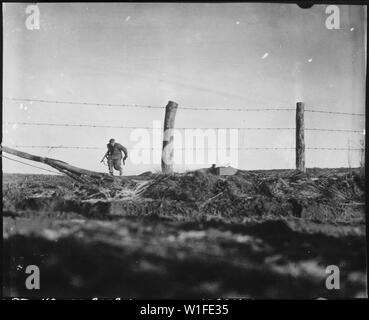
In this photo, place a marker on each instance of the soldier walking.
(114, 156)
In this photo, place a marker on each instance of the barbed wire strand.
(74, 125)
(235, 109)
(333, 130)
(144, 106)
(335, 112)
(227, 148)
(132, 127)
(181, 108)
(27, 164)
(178, 128)
(84, 103)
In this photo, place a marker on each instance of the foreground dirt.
(259, 234)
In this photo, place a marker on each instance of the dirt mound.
(329, 196)
(256, 234)
(194, 186)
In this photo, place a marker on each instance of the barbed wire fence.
(138, 106)
(182, 108)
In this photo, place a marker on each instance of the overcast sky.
(199, 55)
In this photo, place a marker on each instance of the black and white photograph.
(184, 151)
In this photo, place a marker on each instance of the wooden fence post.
(300, 137)
(168, 138)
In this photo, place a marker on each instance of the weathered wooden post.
(300, 137)
(168, 137)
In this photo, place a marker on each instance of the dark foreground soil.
(258, 234)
